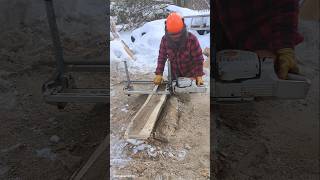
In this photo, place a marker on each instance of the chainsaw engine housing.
(237, 65)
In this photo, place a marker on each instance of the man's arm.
(196, 53)
(285, 36)
(162, 57)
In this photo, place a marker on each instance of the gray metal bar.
(195, 16)
(77, 99)
(80, 60)
(87, 90)
(127, 75)
(86, 62)
(143, 82)
(87, 68)
(55, 37)
(170, 88)
(146, 92)
(80, 95)
(199, 28)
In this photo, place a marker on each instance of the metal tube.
(196, 16)
(145, 92)
(127, 74)
(55, 38)
(169, 77)
(144, 82)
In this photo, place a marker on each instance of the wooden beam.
(128, 50)
(142, 124)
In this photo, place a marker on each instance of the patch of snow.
(46, 153)
(117, 52)
(181, 154)
(124, 110)
(118, 158)
(152, 152)
(135, 142)
(54, 139)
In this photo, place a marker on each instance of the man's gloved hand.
(199, 80)
(158, 80)
(286, 63)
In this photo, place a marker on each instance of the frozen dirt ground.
(181, 153)
(38, 141)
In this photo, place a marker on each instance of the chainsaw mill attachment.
(60, 89)
(242, 76)
(171, 86)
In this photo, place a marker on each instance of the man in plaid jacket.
(183, 50)
(261, 26)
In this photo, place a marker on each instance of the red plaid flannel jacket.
(187, 62)
(259, 24)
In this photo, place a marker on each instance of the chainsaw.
(243, 76)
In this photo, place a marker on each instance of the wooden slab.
(97, 165)
(142, 124)
(206, 52)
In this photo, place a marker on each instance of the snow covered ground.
(145, 42)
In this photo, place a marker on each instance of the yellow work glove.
(286, 63)
(158, 80)
(199, 81)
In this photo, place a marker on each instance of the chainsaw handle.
(296, 77)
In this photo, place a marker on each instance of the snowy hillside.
(145, 42)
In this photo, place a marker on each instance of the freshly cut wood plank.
(142, 124)
(126, 135)
(97, 166)
(148, 127)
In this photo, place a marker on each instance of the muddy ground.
(275, 139)
(179, 148)
(38, 141)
